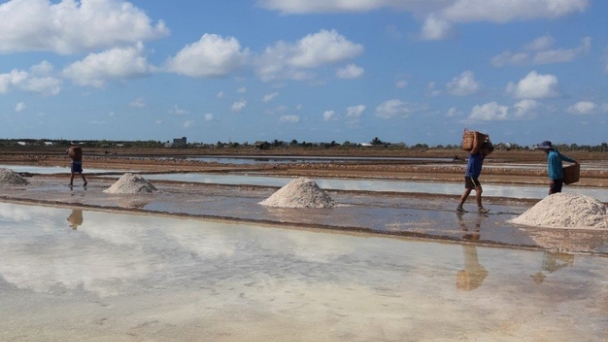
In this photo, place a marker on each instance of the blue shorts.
(76, 167)
(471, 182)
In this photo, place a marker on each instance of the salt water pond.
(74, 274)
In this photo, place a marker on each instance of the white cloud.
(442, 14)
(138, 103)
(290, 118)
(220, 95)
(489, 112)
(526, 108)
(189, 123)
(540, 43)
(401, 84)
(178, 111)
(211, 56)
(328, 115)
(241, 90)
(269, 97)
(582, 108)
(72, 26)
(291, 61)
(20, 107)
(209, 117)
(393, 108)
(115, 64)
(239, 106)
(542, 54)
(463, 85)
(563, 55)
(111, 114)
(509, 58)
(350, 71)
(355, 111)
(534, 86)
(33, 81)
(436, 29)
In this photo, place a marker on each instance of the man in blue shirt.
(555, 166)
(471, 176)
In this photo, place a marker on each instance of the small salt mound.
(9, 178)
(300, 193)
(131, 184)
(566, 210)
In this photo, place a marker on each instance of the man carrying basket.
(75, 153)
(481, 148)
(555, 166)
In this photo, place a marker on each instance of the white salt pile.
(300, 193)
(131, 184)
(10, 178)
(566, 210)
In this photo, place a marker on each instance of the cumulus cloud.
(38, 79)
(328, 115)
(115, 64)
(355, 111)
(239, 106)
(350, 71)
(291, 61)
(440, 15)
(209, 117)
(211, 56)
(69, 26)
(463, 85)
(582, 108)
(20, 107)
(289, 118)
(393, 108)
(541, 53)
(526, 108)
(241, 90)
(269, 97)
(534, 86)
(489, 112)
(189, 123)
(436, 29)
(220, 95)
(432, 91)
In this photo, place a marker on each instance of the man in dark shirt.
(75, 153)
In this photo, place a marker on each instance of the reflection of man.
(75, 218)
(473, 274)
(552, 261)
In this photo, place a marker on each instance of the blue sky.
(412, 71)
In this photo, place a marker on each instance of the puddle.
(378, 185)
(114, 275)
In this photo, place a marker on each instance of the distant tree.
(294, 142)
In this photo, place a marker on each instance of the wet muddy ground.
(421, 216)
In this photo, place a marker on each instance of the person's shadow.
(75, 219)
(473, 274)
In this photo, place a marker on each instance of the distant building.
(21, 143)
(180, 142)
(366, 144)
(49, 143)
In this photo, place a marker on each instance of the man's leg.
(71, 178)
(83, 179)
(463, 199)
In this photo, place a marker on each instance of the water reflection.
(473, 274)
(552, 261)
(75, 219)
(166, 275)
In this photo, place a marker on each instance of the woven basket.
(468, 139)
(572, 173)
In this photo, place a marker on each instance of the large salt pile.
(300, 193)
(11, 178)
(131, 184)
(566, 210)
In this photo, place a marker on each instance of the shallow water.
(45, 170)
(138, 277)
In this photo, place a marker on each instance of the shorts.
(471, 182)
(555, 186)
(76, 167)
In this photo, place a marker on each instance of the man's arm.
(568, 159)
